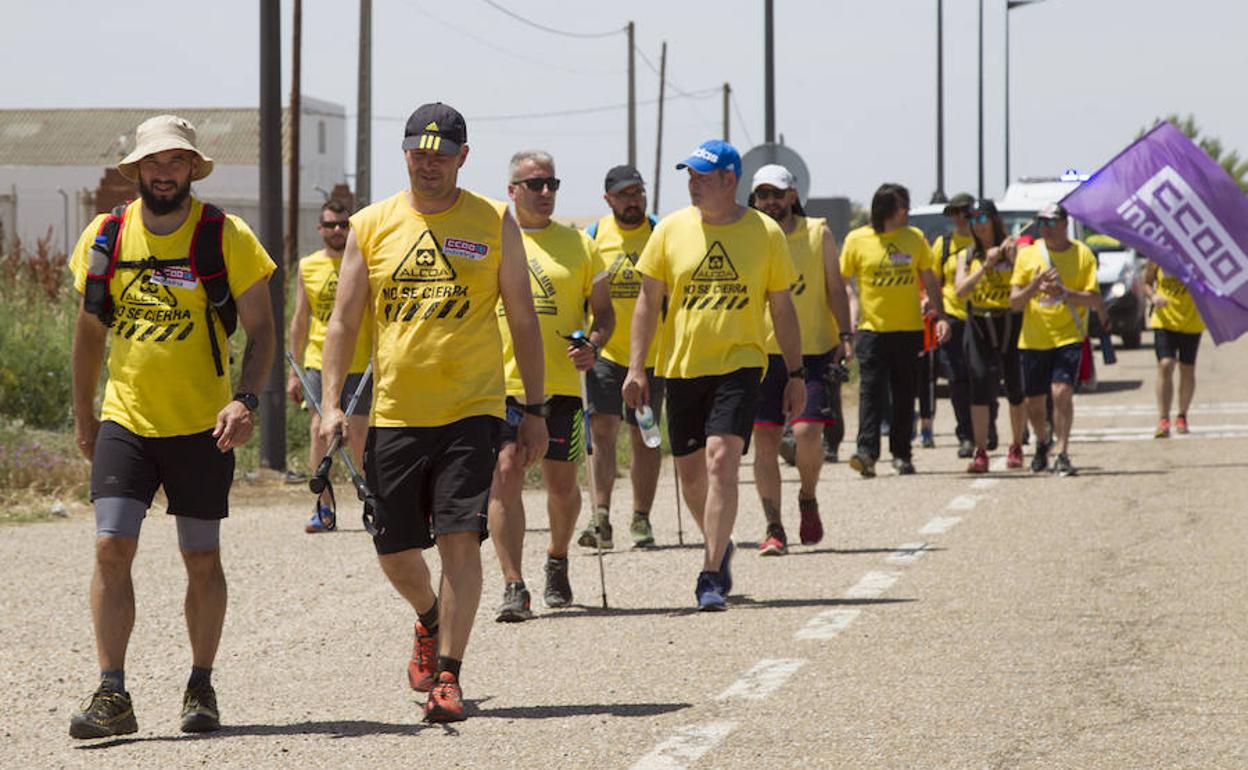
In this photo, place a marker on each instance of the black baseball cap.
(438, 127)
(959, 203)
(622, 176)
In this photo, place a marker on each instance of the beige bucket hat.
(163, 132)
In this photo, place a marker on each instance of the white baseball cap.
(775, 175)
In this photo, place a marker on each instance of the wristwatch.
(798, 374)
(846, 336)
(248, 400)
(537, 410)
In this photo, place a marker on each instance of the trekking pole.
(579, 340)
(374, 519)
(680, 530)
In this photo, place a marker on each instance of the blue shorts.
(771, 394)
(1042, 368)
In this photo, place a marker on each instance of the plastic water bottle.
(649, 426)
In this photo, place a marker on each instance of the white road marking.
(827, 624)
(1136, 433)
(686, 746)
(908, 553)
(872, 585)
(767, 676)
(984, 483)
(1150, 410)
(997, 464)
(942, 524)
(964, 502)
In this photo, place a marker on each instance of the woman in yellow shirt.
(1176, 325)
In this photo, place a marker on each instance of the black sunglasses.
(537, 183)
(1047, 221)
(336, 225)
(769, 193)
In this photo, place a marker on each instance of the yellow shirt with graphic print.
(620, 250)
(810, 291)
(1047, 321)
(1179, 314)
(954, 307)
(992, 290)
(319, 272)
(887, 266)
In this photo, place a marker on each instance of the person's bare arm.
(526, 337)
(87, 361)
(341, 335)
(636, 390)
(834, 287)
(789, 338)
(298, 334)
(602, 325)
(932, 285)
(255, 314)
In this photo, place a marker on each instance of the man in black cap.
(621, 235)
(434, 260)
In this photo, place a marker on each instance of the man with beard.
(168, 418)
(620, 236)
(314, 304)
(822, 312)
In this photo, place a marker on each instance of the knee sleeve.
(119, 516)
(198, 534)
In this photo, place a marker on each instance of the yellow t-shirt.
(563, 265)
(887, 266)
(620, 250)
(718, 278)
(1180, 313)
(1047, 321)
(162, 380)
(319, 272)
(810, 291)
(433, 284)
(992, 290)
(955, 307)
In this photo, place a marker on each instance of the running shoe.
(199, 710)
(1014, 458)
(775, 544)
(558, 591)
(598, 533)
(641, 531)
(966, 448)
(516, 604)
(1180, 425)
(323, 520)
(903, 466)
(1040, 461)
(709, 593)
(725, 568)
(105, 714)
(423, 665)
(1062, 466)
(926, 439)
(865, 466)
(1163, 429)
(811, 529)
(980, 463)
(446, 700)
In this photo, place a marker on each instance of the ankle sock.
(642, 514)
(115, 677)
(429, 618)
(449, 664)
(200, 677)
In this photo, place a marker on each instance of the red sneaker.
(423, 666)
(775, 544)
(811, 529)
(1163, 428)
(1014, 458)
(1180, 425)
(446, 700)
(980, 463)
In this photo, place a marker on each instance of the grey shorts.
(603, 384)
(348, 389)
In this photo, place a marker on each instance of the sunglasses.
(769, 193)
(537, 183)
(979, 219)
(336, 225)
(1047, 221)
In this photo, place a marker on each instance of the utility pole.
(632, 99)
(364, 109)
(658, 145)
(981, 99)
(939, 195)
(296, 121)
(273, 400)
(769, 73)
(727, 98)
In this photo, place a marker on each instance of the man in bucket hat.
(168, 417)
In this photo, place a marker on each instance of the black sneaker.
(105, 714)
(966, 448)
(199, 710)
(1062, 466)
(863, 464)
(1040, 460)
(558, 590)
(903, 466)
(516, 604)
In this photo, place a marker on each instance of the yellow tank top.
(992, 291)
(433, 284)
(810, 291)
(954, 306)
(319, 273)
(1180, 313)
(620, 250)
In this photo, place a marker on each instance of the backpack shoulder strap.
(592, 230)
(96, 298)
(208, 264)
(654, 221)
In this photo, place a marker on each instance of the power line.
(700, 94)
(679, 91)
(551, 30)
(736, 106)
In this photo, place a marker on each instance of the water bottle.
(649, 426)
(98, 258)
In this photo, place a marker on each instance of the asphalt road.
(1012, 621)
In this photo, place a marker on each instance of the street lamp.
(939, 195)
(1010, 5)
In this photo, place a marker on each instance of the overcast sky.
(856, 85)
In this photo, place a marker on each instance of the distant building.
(58, 167)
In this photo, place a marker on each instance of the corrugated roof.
(91, 137)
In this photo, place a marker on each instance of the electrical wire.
(700, 94)
(679, 91)
(736, 106)
(551, 30)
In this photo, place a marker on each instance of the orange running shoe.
(980, 463)
(423, 666)
(1163, 428)
(775, 544)
(1180, 425)
(446, 700)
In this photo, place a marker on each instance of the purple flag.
(1165, 197)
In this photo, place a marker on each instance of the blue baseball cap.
(713, 154)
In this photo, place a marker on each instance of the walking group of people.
(500, 340)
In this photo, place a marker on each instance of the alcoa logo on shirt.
(706, 154)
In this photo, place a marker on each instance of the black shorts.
(603, 385)
(1180, 345)
(195, 474)
(1042, 368)
(431, 481)
(348, 389)
(714, 405)
(565, 427)
(771, 392)
(990, 350)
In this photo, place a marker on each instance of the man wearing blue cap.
(722, 266)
